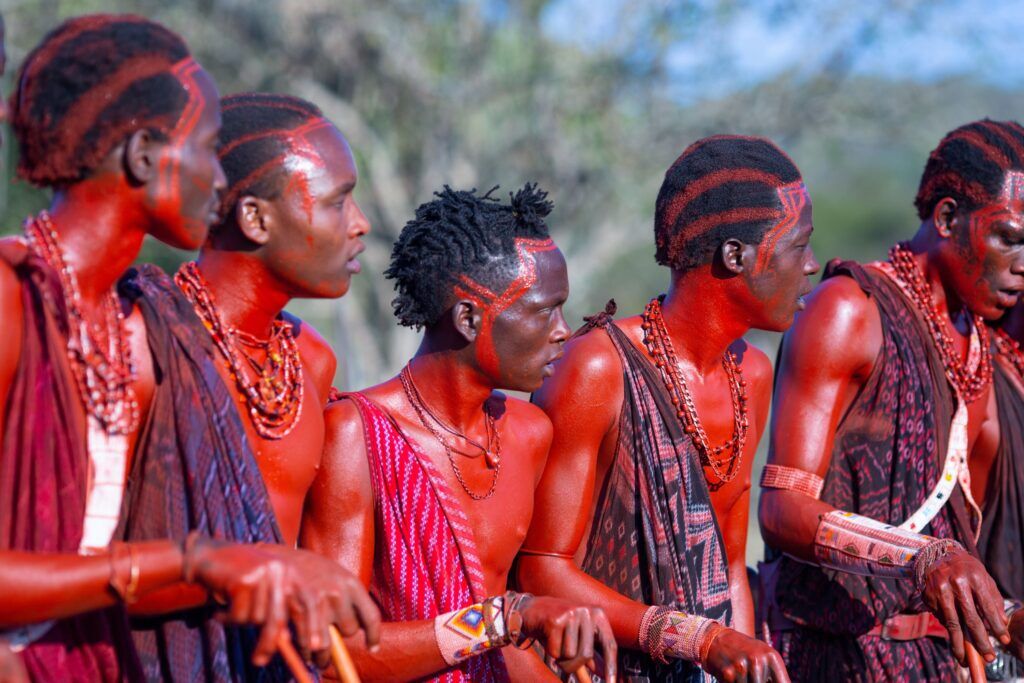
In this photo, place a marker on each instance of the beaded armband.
(666, 633)
(792, 479)
(861, 545)
(470, 631)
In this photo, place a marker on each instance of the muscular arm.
(339, 523)
(583, 399)
(826, 357)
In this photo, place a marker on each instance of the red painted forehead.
(793, 197)
(1013, 187)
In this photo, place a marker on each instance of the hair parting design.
(720, 187)
(970, 165)
(258, 132)
(91, 82)
(468, 241)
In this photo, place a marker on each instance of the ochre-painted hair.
(969, 165)
(255, 138)
(721, 187)
(90, 83)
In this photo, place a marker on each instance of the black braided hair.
(461, 233)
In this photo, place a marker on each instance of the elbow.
(769, 517)
(539, 575)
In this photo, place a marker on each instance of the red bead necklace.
(1009, 349)
(659, 344)
(275, 397)
(969, 385)
(103, 377)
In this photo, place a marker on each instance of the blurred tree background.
(594, 100)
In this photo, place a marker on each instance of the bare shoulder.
(588, 361)
(525, 418)
(840, 327)
(317, 355)
(11, 310)
(343, 425)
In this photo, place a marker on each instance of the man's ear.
(735, 256)
(141, 156)
(466, 318)
(946, 217)
(255, 217)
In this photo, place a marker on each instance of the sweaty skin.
(168, 190)
(307, 240)
(584, 401)
(455, 383)
(828, 356)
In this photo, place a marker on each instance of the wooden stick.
(583, 675)
(975, 664)
(292, 659)
(343, 663)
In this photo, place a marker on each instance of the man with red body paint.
(128, 146)
(290, 228)
(426, 486)
(884, 387)
(644, 503)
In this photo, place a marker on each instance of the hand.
(956, 589)
(569, 633)
(11, 668)
(268, 585)
(736, 658)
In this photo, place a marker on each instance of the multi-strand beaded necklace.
(103, 372)
(275, 397)
(659, 344)
(969, 385)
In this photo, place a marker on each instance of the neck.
(454, 390)
(701, 322)
(100, 232)
(924, 246)
(247, 296)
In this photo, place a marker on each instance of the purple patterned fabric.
(655, 537)
(887, 455)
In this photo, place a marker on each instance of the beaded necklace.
(968, 385)
(493, 456)
(275, 397)
(103, 378)
(1009, 349)
(659, 344)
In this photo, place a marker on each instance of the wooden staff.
(343, 663)
(582, 675)
(975, 664)
(292, 659)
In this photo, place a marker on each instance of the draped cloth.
(1001, 542)
(887, 455)
(426, 563)
(654, 536)
(43, 471)
(194, 469)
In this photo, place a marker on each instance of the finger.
(319, 618)
(951, 621)
(609, 648)
(571, 639)
(240, 607)
(586, 642)
(778, 668)
(260, 603)
(553, 633)
(277, 614)
(990, 603)
(758, 669)
(369, 616)
(974, 626)
(345, 616)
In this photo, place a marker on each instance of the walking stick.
(343, 663)
(292, 659)
(975, 664)
(582, 675)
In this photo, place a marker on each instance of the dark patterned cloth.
(887, 455)
(1001, 542)
(655, 537)
(43, 467)
(194, 470)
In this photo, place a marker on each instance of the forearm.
(526, 665)
(789, 521)
(42, 586)
(408, 651)
(742, 600)
(561, 578)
